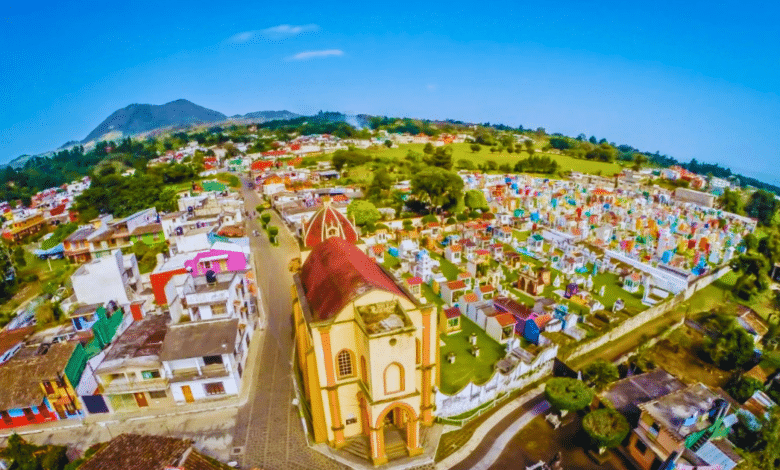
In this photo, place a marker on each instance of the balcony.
(206, 372)
(132, 386)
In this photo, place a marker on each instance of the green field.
(462, 151)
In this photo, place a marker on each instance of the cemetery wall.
(635, 323)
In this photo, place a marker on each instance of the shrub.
(607, 427)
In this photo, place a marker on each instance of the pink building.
(218, 261)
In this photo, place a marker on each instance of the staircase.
(395, 445)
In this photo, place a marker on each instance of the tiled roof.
(335, 273)
(455, 248)
(456, 285)
(136, 452)
(452, 312)
(542, 320)
(505, 319)
(327, 217)
(486, 288)
(470, 298)
(412, 281)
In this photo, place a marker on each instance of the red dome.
(327, 223)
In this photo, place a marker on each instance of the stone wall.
(473, 396)
(636, 322)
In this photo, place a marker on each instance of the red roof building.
(328, 223)
(336, 273)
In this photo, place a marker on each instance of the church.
(367, 352)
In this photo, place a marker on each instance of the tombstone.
(451, 357)
(557, 281)
(602, 290)
(473, 339)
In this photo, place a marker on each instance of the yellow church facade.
(367, 352)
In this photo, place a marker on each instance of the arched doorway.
(395, 434)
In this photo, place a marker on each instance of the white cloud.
(274, 32)
(306, 55)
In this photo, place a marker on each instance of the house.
(752, 323)
(632, 282)
(11, 341)
(627, 394)
(204, 359)
(212, 296)
(85, 316)
(449, 320)
(687, 424)
(453, 252)
(377, 252)
(485, 292)
(76, 246)
(367, 351)
(38, 385)
(117, 275)
(414, 285)
(24, 226)
(142, 452)
(524, 318)
(535, 243)
(501, 327)
(131, 375)
(452, 290)
(217, 261)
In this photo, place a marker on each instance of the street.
(268, 432)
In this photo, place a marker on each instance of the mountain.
(139, 118)
(265, 116)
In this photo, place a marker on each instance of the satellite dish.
(179, 231)
(211, 277)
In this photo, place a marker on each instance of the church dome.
(326, 223)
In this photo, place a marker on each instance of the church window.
(344, 361)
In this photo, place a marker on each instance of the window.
(6, 417)
(418, 351)
(150, 374)
(453, 322)
(344, 361)
(28, 413)
(394, 378)
(207, 264)
(48, 387)
(216, 388)
(640, 446)
(655, 429)
(211, 360)
(157, 394)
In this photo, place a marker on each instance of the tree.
(363, 212)
(19, 260)
(742, 388)
(732, 348)
(438, 187)
(559, 143)
(567, 394)
(273, 231)
(730, 201)
(607, 427)
(26, 456)
(754, 278)
(388, 143)
(428, 149)
(639, 160)
(465, 164)
(475, 148)
(600, 373)
(265, 218)
(475, 199)
(762, 205)
(380, 185)
(441, 157)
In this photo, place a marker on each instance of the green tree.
(475, 199)
(475, 147)
(566, 394)
(733, 348)
(26, 456)
(639, 160)
(441, 157)
(741, 388)
(380, 185)
(273, 232)
(428, 149)
(388, 143)
(265, 218)
(19, 260)
(606, 427)
(437, 187)
(600, 373)
(464, 164)
(363, 212)
(754, 275)
(730, 201)
(762, 205)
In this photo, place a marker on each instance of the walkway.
(491, 437)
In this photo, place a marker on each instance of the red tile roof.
(505, 319)
(542, 320)
(452, 312)
(378, 249)
(470, 297)
(482, 252)
(455, 285)
(413, 281)
(316, 229)
(337, 272)
(486, 288)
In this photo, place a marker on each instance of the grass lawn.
(463, 152)
(521, 236)
(614, 290)
(468, 368)
(431, 296)
(391, 262)
(449, 270)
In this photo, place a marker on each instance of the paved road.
(268, 428)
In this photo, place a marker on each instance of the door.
(187, 391)
(140, 399)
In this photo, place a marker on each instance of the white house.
(101, 280)
(204, 359)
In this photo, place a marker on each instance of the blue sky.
(699, 80)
